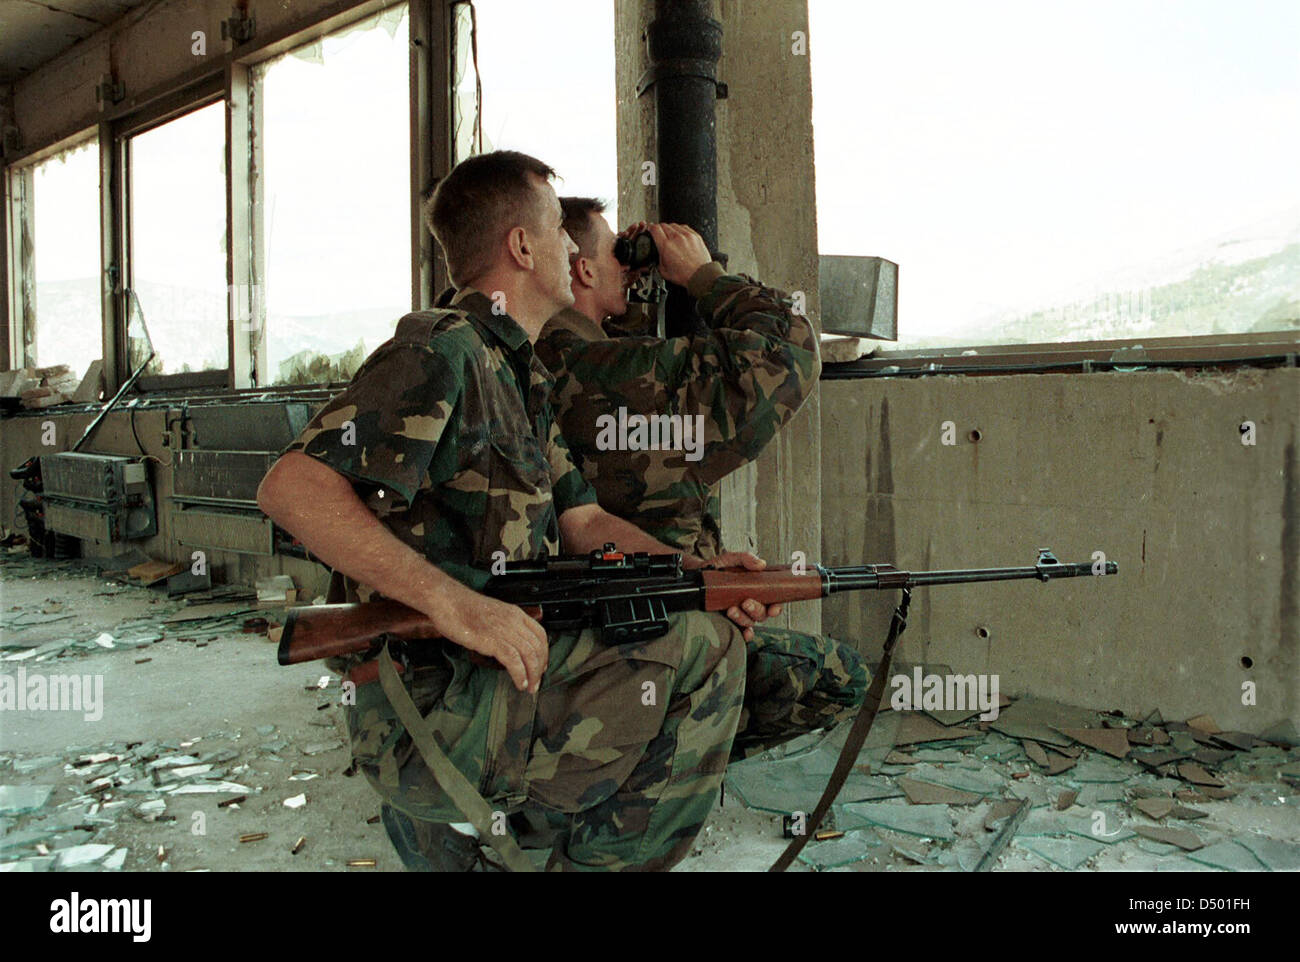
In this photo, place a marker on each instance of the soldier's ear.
(581, 271)
(518, 246)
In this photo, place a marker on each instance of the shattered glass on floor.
(1104, 792)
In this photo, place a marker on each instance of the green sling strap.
(856, 739)
(458, 788)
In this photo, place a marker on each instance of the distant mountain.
(301, 349)
(1243, 280)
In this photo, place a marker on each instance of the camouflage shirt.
(747, 376)
(445, 444)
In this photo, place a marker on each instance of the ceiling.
(33, 33)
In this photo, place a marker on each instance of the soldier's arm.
(378, 438)
(746, 377)
(754, 370)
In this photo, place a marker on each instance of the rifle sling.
(450, 779)
(857, 738)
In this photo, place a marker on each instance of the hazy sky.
(1005, 152)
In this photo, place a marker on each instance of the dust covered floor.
(191, 749)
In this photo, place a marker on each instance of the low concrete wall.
(22, 436)
(1148, 467)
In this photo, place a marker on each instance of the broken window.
(544, 84)
(57, 259)
(177, 231)
(333, 122)
(1063, 172)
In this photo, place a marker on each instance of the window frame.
(166, 109)
(17, 271)
(226, 77)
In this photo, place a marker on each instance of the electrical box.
(98, 497)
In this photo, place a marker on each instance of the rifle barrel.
(859, 577)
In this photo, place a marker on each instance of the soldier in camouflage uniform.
(748, 374)
(443, 455)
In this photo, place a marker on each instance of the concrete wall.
(1147, 467)
(767, 224)
(22, 436)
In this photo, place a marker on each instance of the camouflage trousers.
(624, 746)
(796, 683)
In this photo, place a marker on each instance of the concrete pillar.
(767, 224)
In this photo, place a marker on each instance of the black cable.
(143, 452)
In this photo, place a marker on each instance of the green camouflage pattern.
(436, 438)
(625, 745)
(439, 442)
(796, 683)
(748, 376)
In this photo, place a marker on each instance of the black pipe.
(685, 45)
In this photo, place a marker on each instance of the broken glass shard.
(853, 846)
(1229, 856)
(1068, 853)
(19, 799)
(926, 821)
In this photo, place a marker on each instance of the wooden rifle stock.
(626, 597)
(330, 631)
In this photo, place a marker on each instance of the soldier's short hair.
(577, 221)
(474, 206)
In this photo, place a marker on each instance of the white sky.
(548, 89)
(1004, 152)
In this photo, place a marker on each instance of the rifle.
(624, 597)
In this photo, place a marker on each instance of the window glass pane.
(1084, 169)
(178, 239)
(336, 196)
(547, 74)
(65, 219)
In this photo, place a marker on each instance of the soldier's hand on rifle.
(500, 631)
(750, 612)
(682, 252)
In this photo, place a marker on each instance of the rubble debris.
(1112, 741)
(1066, 853)
(115, 861)
(1184, 838)
(1204, 723)
(1283, 733)
(1197, 775)
(19, 799)
(151, 572)
(1154, 808)
(79, 856)
(916, 728)
(924, 793)
(185, 582)
(847, 848)
(926, 821)
(278, 590)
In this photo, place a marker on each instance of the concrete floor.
(216, 695)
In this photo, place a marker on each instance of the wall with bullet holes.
(1148, 467)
